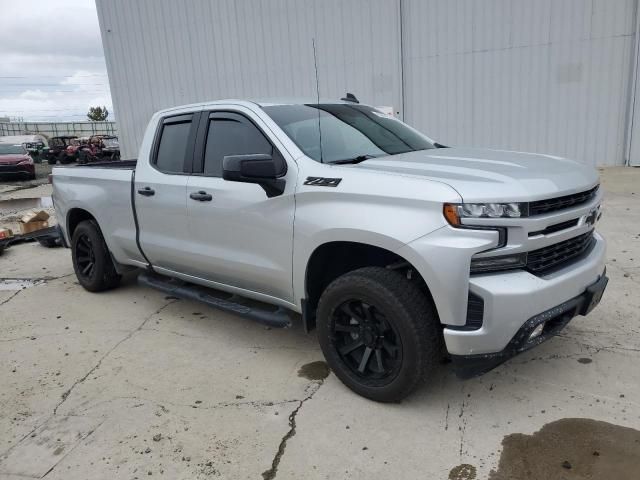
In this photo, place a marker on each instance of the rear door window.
(173, 144)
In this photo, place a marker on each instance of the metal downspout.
(632, 89)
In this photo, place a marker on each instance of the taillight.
(50, 178)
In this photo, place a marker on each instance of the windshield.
(12, 149)
(347, 131)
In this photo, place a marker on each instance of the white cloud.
(33, 95)
(51, 61)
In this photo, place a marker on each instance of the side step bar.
(275, 317)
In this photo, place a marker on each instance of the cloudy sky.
(51, 60)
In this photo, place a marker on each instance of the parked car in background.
(63, 149)
(16, 161)
(34, 143)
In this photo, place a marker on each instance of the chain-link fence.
(56, 129)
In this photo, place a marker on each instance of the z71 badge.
(322, 181)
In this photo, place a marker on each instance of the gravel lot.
(131, 384)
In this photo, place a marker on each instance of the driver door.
(238, 236)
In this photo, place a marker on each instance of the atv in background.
(62, 149)
(99, 148)
(110, 148)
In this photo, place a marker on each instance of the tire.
(91, 259)
(389, 316)
(52, 160)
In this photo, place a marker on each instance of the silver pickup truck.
(397, 249)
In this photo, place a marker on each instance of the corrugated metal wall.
(545, 76)
(549, 76)
(161, 53)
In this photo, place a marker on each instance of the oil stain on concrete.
(463, 472)
(571, 449)
(314, 371)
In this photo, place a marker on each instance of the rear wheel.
(91, 259)
(378, 332)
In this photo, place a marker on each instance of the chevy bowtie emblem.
(592, 216)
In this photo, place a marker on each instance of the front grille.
(552, 204)
(555, 228)
(547, 259)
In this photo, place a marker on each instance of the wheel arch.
(74, 217)
(332, 259)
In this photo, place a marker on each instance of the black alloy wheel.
(379, 332)
(85, 257)
(92, 261)
(365, 341)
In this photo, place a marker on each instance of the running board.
(276, 317)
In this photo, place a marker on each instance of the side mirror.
(261, 169)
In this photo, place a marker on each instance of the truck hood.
(491, 175)
(12, 158)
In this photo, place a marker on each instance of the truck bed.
(104, 190)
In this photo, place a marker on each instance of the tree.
(98, 114)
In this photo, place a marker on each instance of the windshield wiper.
(358, 159)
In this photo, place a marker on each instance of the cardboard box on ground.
(34, 221)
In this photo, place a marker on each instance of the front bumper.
(15, 169)
(553, 320)
(513, 298)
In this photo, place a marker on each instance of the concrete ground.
(131, 384)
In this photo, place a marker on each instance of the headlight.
(453, 212)
(503, 262)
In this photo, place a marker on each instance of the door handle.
(147, 191)
(201, 196)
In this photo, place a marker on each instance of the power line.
(57, 91)
(35, 110)
(57, 76)
(50, 84)
(66, 62)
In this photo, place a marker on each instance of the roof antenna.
(350, 98)
(315, 66)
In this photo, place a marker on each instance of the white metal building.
(553, 76)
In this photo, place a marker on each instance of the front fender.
(366, 207)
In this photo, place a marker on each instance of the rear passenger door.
(240, 237)
(160, 192)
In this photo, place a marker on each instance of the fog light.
(537, 331)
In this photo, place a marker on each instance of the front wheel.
(379, 333)
(91, 259)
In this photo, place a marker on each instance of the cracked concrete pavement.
(131, 383)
